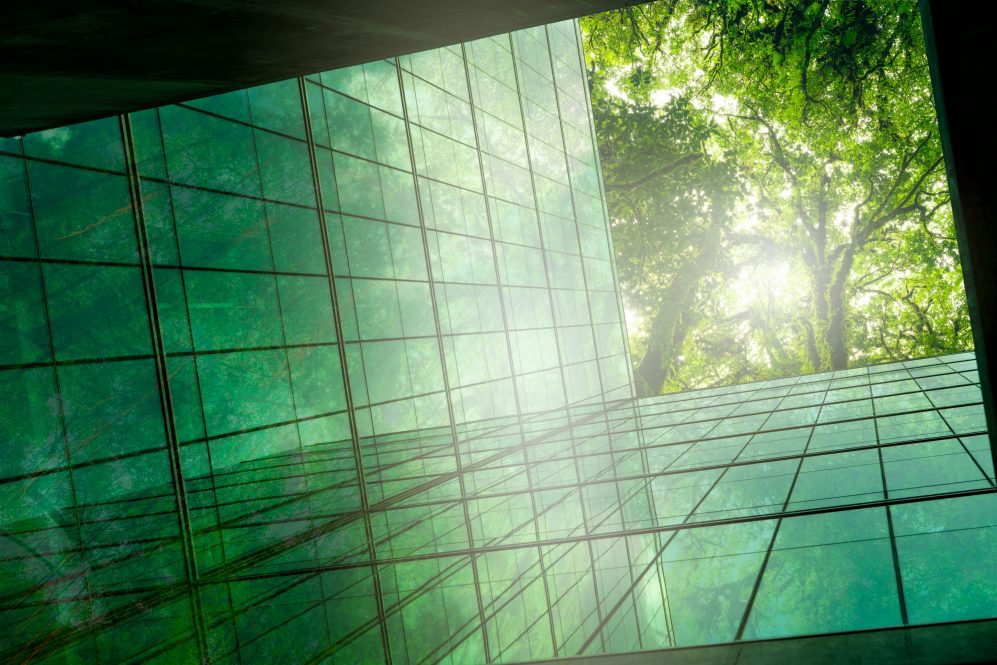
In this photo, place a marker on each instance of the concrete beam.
(63, 62)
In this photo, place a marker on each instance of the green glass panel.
(965, 419)
(97, 311)
(827, 573)
(350, 125)
(306, 306)
(348, 80)
(81, 214)
(708, 577)
(157, 210)
(386, 369)
(148, 139)
(390, 139)
(206, 151)
(234, 105)
(382, 86)
(946, 550)
(438, 620)
(359, 186)
(295, 237)
(316, 376)
(218, 231)
(843, 435)
(407, 255)
(368, 249)
(242, 390)
(186, 397)
(232, 310)
(377, 311)
(511, 584)
(829, 480)
(30, 426)
(277, 106)
(171, 306)
(752, 489)
(776, 443)
(111, 409)
(283, 161)
(23, 325)
(96, 144)
(16, 232)
(911, 426)
(327, 179)
(930, 467)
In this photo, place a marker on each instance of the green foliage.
(775, 180)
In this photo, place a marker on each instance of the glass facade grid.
(334, 370)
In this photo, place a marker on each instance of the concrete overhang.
(64, 62)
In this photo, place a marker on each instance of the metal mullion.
(574, 209)
(305, 497)
(197, 380)
(163, 381)
(958, 437)
(273, 550)
(69, 363)
(212, 190)
(347, 391)
(889, 518)
(78, 465)
(521, 575)
(235, 121)
(280, 312)
(247, 271)
(63, 427)
(657, 556)
(574, 540)
(605, 208)
(228, 572)
(553, 317)
(38, 259)
(443, 361)
(508, 343)
(248, 349)
(775, 532)
(58, 162)
(537, 545)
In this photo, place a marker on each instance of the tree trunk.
(821, 320)
(810, 341)
(836, 338)
(652, 371)
(674, 318)
(665, 339)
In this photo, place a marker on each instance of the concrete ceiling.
(63, 62)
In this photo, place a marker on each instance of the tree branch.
(657, 173)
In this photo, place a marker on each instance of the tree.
(670, 205)
(821, 117)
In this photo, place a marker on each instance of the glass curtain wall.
(334, 370)
(236, 330)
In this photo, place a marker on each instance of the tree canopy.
(775, 181)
